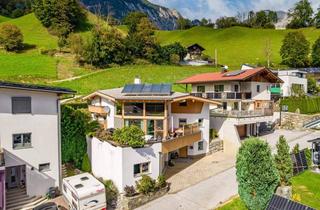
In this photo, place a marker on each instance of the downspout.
(59, 143)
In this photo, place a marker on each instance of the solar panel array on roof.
(234, 73)
(280, 203)
(147, 89)
(299, 161)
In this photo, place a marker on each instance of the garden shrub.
(283, 161)
(161, 182)
(256, 173)
(129, 191)
(111, 191)
(146, 185)
(308, 154)
(296, 149)
(11, 37)
(86, 166)
(131, 136)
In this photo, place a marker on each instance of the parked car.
(47, 206)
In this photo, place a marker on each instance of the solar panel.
(147, 89)
(234, 73)
(299, 161)
(280, 203)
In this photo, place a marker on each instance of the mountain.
(162, 17)
(283, 20)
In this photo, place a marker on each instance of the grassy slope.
(3, 19)
(30, 63)
(117, 77)
(235, 45)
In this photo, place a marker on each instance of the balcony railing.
(224, 95)
(2, 163)
(242, 114)
(97, 109)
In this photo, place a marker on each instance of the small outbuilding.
(195, 51)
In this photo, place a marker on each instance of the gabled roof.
(194, 46)
(32, 87)
(239, 75)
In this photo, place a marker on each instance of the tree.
(261, 19)
(226, 22)
(315, 55)
(133, 19)
(301, 15)
(204, 22)
(76, 45)
(295, 50)
(296, 149)
(312, 86)
(131, 136)
(256, 173)
(75, 124)
(61, 16)
(317, 19)
(184, 23)
(11, 37)
(283, 161)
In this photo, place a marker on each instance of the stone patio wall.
(292, 121)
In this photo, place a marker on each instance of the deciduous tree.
(316, 53)
(11, 37)
(301, 15)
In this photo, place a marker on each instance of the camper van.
(84, 192)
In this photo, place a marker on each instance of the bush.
(296, 149)
(86, 166)
(111, 191)
(256, 173)
(214, 134)
(308, 154)
(11, 37)
(146, 185)
(283, 161)
(161, 182)
(129, 191)
(131, 136)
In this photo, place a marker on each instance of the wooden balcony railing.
(242, 114)
(97, 109)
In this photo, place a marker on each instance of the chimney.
(137, 80)
(224, 69)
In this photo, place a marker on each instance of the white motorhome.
(84, 192)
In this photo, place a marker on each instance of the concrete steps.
(17, 199)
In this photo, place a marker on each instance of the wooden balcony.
(189, 134)
(98, 109)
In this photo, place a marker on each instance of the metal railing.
(242, 114)
(224, 95)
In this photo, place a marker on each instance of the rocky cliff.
(162, 17)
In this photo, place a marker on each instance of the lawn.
(119, 76)
(306, 185)
(236, 45)
(3, 19)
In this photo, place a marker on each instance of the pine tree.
(283, 161)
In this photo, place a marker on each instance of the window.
(236, 105)
(218, 88)
(182, 122)
(155, 109)
(138, 123)
(183, 103)
(201, 89)
(141, 168)
(224, 105)
(119, 108)
(258, 88)
(44, 167)
(200, 145)
(155, 128)
(133, 109)
(21, 105)
(236, 88)
(21, 141)
(200, 122)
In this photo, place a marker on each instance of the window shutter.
(21, 105)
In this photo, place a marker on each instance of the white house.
(246, 102)
(29, 136)
(291, 79)
(174, 123)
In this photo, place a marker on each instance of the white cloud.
(217, 8)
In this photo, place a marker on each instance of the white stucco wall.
(43, 124)
(264, 93)
(289, 81)
(116, 163)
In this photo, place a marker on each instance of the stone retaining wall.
(215, 145)
(295, 120)
(128, 203)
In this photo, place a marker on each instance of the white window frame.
(202, 145)
(44, 169)
(141, 169)
(22, 144)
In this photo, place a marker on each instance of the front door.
(183, 152)
(12, 174)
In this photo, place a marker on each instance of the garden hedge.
(306, 105)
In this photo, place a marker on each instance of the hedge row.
(306, 105)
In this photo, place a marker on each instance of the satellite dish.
(107, 109)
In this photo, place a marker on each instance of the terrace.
(242, 114)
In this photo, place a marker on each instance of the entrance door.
(183, 152)
(12, 177)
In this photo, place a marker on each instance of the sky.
(213, 9)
